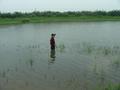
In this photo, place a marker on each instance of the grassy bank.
(57, 19)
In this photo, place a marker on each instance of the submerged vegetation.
(89, 48)
(113, 87)
(74, 81)
(50, 16)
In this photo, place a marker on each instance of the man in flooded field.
(52, 45)
(52, 41)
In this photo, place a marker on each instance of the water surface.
(87, 56)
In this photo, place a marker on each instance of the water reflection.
(52, 56)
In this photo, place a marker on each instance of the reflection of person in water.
(52, 56)
(52, 53)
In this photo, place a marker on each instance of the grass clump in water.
(31, 62)
(116, 62)
(112, 87)
(106, 51)
(61, 48)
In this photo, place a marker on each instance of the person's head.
(53, 35)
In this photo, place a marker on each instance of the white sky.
(58, 5)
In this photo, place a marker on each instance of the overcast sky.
(58, 5)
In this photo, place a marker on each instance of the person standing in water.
(52, 45)
(52, 41)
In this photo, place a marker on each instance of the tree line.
(60, 14)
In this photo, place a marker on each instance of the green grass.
(112, 87)
(57, 19)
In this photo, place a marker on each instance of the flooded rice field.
(87, 56)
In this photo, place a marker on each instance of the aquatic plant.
(106, 50)
(116, 62)
(112, 87)
(4, 74)
(31, 62)
(95, 69)
(61, 48)
(90, 48)
(87, 48)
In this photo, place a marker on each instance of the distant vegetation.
(50, 16)
(62, 14)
